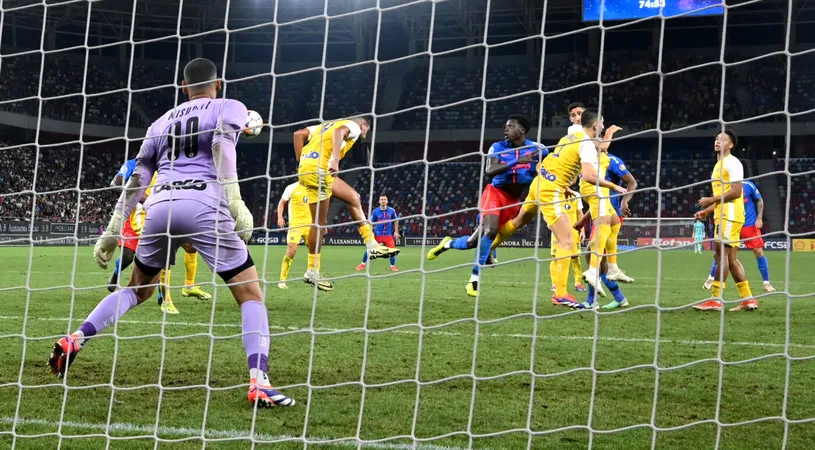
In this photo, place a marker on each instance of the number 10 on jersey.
(186, 138)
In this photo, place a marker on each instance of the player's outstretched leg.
(106, 313)
(346, 193)
(459, 243)
(190, 273)
(122, 263)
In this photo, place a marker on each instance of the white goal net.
(398, 355)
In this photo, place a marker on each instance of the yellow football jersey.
(563, 164)
(601, 167)
(317, 152)
(299, 212)
(138, 214)
(727, 171)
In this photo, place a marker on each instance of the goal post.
(403, 358)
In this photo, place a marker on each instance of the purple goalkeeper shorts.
(210, 231)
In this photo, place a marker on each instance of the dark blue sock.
(116, 267)
(590, 299)
(713, 269)
(613, 287)
(483, 253)
(460, 243)
(495, 254)
(365, 258)
(763, 268)
(393, 260)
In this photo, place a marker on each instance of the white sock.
(474, 277)
(613, 267)
(447, 244)
(372, 245)
(259, 375)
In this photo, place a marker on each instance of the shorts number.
(187, 140)
(326, 126)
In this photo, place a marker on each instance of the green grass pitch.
(537, 367)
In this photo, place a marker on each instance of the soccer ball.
(254, 124)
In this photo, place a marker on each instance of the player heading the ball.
(192, 147)
(319, 149)
(574, 154)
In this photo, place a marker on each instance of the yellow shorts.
(599, 207)
(318, 185)
(728, 232)
(296, 233)
(548, 197)
(575, 238)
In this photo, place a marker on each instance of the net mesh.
(399, 361)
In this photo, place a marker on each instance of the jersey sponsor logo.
(198, 185)
(312, 155)
(549, 176)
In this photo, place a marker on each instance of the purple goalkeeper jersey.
(179, 147)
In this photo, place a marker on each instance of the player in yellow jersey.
(604, 216)
(574, 154)
(574, 209)
(299, 224)
(319, 149)
(727, 206)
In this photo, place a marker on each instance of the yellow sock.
(611, 244)
(365, 232)
(577, 269)
(603, 232)
(744, 289)
(504, 233)
(553, 270)
(313, 261)
(284, 268)
(562, 275)
(191, 266)
(164, 280)
(718, 287)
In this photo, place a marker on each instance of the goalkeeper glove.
(237, 208)
(106, 244)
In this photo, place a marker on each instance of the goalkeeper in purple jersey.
(192, 147)
(511, 163)
(751, 233)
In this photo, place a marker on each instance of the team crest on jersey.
(568, 207)
(305, 199)
(622, 166)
